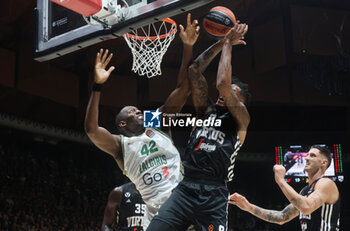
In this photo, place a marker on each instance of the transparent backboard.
(61, 31)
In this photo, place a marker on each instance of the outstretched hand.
(236, 34)
(101, 74)
(189, 35)
(240, 201)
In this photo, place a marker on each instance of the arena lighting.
(46, 130)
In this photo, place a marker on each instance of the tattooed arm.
(199, 86)
(230, 93)
(204, 59)
(273, 216)
(325, 192)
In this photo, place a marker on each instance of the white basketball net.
(148, 46)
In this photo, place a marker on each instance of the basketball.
(218, 21)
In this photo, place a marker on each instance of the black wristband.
(96, 86)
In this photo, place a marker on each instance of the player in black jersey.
(318, 204)
(201, 198)
(125, 209)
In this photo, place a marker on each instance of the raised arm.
(325, 192)
(199, 86)
(100, 136)
(109, 217)
(178, 97)
(230, 93)
(273, 216)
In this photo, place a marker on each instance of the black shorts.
(203, 205)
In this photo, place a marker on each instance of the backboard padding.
(61, 31)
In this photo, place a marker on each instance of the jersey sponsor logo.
(205, 147)
(151, 118)
(211, 134)
(149, 178)
(153, 162)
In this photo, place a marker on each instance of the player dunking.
(201, 198)
(124, 210)
(318, 204)
(147, 156)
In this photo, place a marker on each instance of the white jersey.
(152, 163)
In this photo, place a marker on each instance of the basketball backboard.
(61, 31)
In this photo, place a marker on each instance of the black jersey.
(211, 151)
(325, 218)
(131, 209)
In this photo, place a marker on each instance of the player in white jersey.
(148, 157)
(152, 162)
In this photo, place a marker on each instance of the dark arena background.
(297, 65)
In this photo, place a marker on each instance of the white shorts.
(152, 208)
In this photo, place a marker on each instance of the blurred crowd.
(47, 189)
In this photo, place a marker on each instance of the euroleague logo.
(150, 133)
(211, 227)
